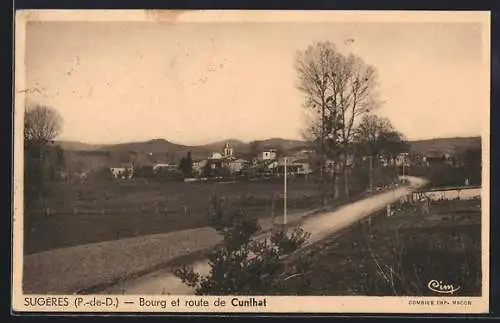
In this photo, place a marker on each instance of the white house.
(267, 154)
(304, 167)
(236, 165)
(198, 165)
(119, 172)
(402, 159)
(215, 155)
(273, 164)
(164, 166)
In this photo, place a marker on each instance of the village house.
(198, 166)
(289, 160)
(417, 159)
(126, 172)
(168, 167)
(268, 154)
(236, 165)
(332, 165)
(215, 156)
(304, 167)
(398, 160)
(402, 159)
(225, 161)
(270, 164)
(437, 158)
(294, 166)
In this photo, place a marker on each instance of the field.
(400, 255)
(79, 213)
(106, 262)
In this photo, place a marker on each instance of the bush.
(241, 266)
(419, 256)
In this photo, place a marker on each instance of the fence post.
(426, 205)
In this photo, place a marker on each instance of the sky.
(194, 83)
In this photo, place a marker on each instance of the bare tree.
(340, 89)
(42, 124)
(371, 132)
(375, 136)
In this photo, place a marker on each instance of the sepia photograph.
(252, 155)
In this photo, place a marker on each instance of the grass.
(108, 263)
(399, 255)
(86, 267)
(89, 267)
(81, 213)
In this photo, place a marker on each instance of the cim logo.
(442, 288)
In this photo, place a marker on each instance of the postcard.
(224, 161)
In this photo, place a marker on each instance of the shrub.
(241, 266)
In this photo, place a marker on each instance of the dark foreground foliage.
(242, 266)
(402, 254)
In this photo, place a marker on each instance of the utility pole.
(371, 166)
(404, 162)
(285, 192)
(322, 141)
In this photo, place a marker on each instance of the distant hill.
(76, 145)
(282, 144)
(160, 150)
(445, 145)
(237, 145)
(151, 146)
(164, 146)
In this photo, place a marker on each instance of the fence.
(140, 210)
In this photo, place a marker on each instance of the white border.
(322, 304)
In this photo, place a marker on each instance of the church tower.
(228, 150)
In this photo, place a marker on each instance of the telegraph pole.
(285, 192)
(371, 179)
(403, 174)
(404, 162)
(324, 192)
(323, 155)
